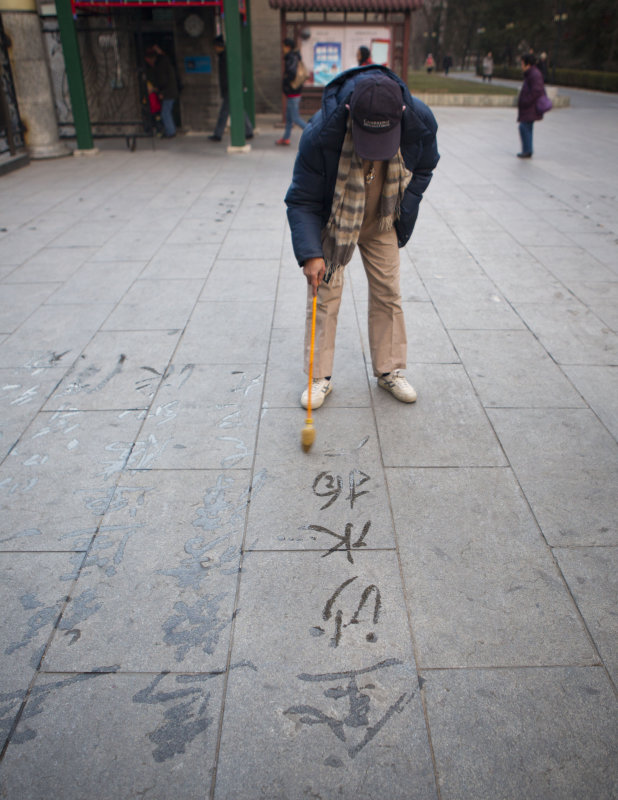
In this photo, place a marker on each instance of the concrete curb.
(481, 100)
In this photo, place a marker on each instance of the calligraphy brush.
(307, 436)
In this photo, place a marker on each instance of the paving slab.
(437, 260)
(499, 734)
(159, 732)
(98, 282)
(232, 280)
(133, 243)
(594, 293)
(32, 597)
(253, 244)
(538, 232)
(181, 261)
(592, 576)
(571, 333)
(445, 427)
(517, 274)
(335, 614)
(20, 300)
(608, 314)
(336, 691)
(260, 214)
(20, 245)
(571, 263)
(208, 339)
(215, 203)
(23, 393)
(601, 245)
(53, 335)
(205, 417)
(197, 230)
(332, 497)
(471, 303)
(291, 305)
(355, 733)
(511, 369)
(88, 233)
(152, 304)
(479, 578)
(89, 450)
(55, 263)
(150, 602)
(567, 465)
(117, 370)
(599, 387)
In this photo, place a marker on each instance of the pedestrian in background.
(532, 89)
(488, 67)
(430, 63)
(162, 75)
(447, 63)
(224, 109)
(363, 56)
(362, 166)
(291, 61)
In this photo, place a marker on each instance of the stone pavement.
(424, 606)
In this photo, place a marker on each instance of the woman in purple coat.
(532, 88)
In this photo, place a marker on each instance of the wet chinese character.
(328, 485)
(344, 542)
(358, 713)
(328, 613)
(186, 710)
(196, 626)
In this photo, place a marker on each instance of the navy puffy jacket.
(310, 195)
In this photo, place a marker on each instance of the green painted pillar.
(75, 76)
(233, 54)
(247, 65)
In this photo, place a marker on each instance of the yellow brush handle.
(315, 302)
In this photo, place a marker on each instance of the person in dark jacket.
(224, 109)
(363, 56)
(532, 88)
(291, 59)
(162, 75)
(363, 163)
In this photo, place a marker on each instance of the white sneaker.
(320, 389)
(398, 386)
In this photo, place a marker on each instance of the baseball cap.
(376, 106)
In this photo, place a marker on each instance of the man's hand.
(314, 270)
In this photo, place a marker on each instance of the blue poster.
(197, 64)
(326, 62)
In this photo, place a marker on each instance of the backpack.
(300, 77)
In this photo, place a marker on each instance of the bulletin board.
(328, 50)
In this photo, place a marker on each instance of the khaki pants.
(387, 332)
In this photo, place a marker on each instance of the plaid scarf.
(340, 235)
